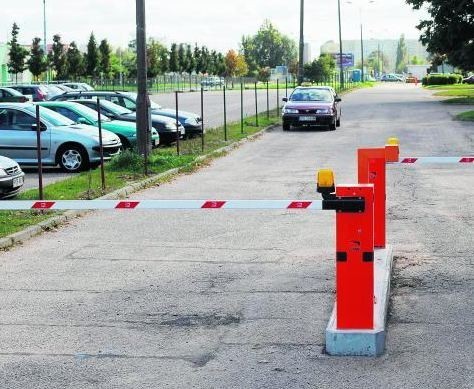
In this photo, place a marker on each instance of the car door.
(18, 139)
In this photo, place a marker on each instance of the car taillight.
(41, 95)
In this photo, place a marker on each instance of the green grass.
(460, 100)
(460, 92)
(455, 86)
(467, 116)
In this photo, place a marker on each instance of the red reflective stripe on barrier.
(127, 205)
(213, 204)
(299, 205)
(43, 205)
(410, 160)
(467, 160)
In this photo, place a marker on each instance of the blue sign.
(347, 59)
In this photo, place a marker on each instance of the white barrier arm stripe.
(433, 160)
(64, 205)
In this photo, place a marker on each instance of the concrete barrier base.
(369, 343)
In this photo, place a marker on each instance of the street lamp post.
(301, 53)
(340, 45)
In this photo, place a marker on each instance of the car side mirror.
(34, 127)
(285, 99)
(337, 99)
(82, 121)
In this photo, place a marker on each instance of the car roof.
(15, 105)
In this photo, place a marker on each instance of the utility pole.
(143, 100)
(362, 50)
(45, 46)
(340, 45)
(301, 56)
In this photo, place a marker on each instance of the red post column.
(355, 261)
(372, 170)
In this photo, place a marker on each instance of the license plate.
(307, 118)
(17, 182)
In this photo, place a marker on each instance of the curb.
(56, 221)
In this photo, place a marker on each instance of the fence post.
(101, 146)
(286, 86)
(278, 95)
(177, 121)
(241, 106)
(256, 105)
(268, 103)
(225, 114)
(202, 119)
(39, 153)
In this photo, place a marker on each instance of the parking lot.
(180, 299)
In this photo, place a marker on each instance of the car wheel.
(125, 143)
(73, 159)
(338, 122)
(286, 127)
(332, 126)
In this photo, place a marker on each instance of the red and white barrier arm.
(434, 160)
(314, 205)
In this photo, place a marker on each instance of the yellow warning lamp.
(326, 182)
(392, 150)
(393, 142)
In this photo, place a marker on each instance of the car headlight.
(192, 121)
(170, 126)
(324, 111)
(290, 110)
(3, 173)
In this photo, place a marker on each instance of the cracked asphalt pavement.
(229, 299)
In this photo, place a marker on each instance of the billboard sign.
(347, 59)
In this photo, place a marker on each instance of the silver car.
(74, 147)
(11, 178)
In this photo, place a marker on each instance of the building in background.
(307, 54)
(387, 46)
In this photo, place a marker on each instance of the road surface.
(241, 299)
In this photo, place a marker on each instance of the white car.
(11, 178)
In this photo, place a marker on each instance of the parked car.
(64, 88)
(411, 80)
(213, 81)
(190, 121)
(311, 106)
(74, 147)
(9, 95)
(468, 80)
(11, 178)
(79, 86)
(165, 126)
(80, 114)
(391, 78)
(36, 92)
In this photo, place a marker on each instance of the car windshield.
(52, 117)
(13, 92)
(311, 95)
(88, 113)
(153, 105)
(114, 108)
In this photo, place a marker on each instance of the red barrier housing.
(355, 261)
(372, 170)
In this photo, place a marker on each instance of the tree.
(450, 32)
(231, 63)
(17, 54)
(220, 65)
(37, 63)
(205, 60)
(197, 58)
(174, 64)
(75, 64)
(241, 68)
(416, 61)
(92, 57)
(268, 47)
(320, 69)
(182, 65)
(104, 55)
(377, 61)
(57, 58)
(157, 55)
(402, 55)
(190, 62)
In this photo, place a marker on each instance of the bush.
(127, 160)
(442, 79)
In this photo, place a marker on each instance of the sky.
(218, 24)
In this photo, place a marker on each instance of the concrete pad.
(369, 343)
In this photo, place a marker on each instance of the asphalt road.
(241, 299)
(213, 116)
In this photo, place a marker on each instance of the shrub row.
(442, 79)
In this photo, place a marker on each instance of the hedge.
(442, 79)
